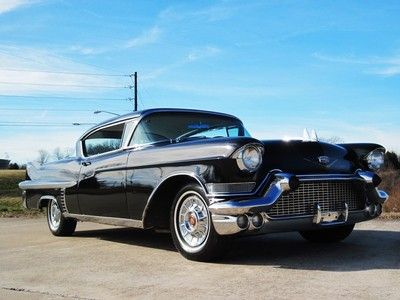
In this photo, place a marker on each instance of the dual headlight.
(376, 159)
(249, 157)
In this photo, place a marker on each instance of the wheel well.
(44, 201)
(158, 211)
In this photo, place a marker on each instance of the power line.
(64, 72)
(71, 85)
(39, 123)
(6, 123)
(41, 62)
(44, 125)
(45, 109)
(61, 97)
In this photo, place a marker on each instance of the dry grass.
(9, 180)
(391, 184)
(10, 195)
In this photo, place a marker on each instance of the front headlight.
(376, 159)
(249, 157)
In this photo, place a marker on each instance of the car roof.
(142, 113)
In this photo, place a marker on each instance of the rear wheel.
(328, 235)
(58, 224)
(191, 226)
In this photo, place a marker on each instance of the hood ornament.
(324, 160)
(307, 137)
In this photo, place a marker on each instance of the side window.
(104, 140)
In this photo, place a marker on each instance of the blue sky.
(280, 66)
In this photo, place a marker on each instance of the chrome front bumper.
(229, 216)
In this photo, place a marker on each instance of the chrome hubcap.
(54, 215)
(193, 220)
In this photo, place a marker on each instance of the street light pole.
(104, 111)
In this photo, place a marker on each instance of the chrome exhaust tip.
(243, 222)
(257, 221)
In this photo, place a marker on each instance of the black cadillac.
(201, 175)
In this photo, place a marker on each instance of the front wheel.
(58, 224)
(191, 226)
(328, 235)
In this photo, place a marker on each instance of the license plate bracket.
(330, 217)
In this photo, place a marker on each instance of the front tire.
(328, 235)
(58, 224)
(191, 226)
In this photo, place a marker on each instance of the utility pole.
(134, 87)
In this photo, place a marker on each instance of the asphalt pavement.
(104, 262)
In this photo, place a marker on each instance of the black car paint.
(123, 183)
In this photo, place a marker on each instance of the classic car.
(202, 176)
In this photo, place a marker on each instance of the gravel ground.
(103, 262)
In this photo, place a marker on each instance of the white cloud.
(9, 5)
(192, 56)
(213, 13)
(23, 65)
(203, 53)
(377, 65)
(88, 50)
(150, 36)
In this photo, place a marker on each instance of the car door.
(102, 180)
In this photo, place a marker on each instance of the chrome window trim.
(129, 126)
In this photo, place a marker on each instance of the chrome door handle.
(86, 163)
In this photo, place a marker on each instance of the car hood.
(304, 157)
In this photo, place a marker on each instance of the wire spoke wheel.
(192, 221)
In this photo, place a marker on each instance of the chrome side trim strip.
(228, 188)
(106, 220)
(43, 184)
(63, 203)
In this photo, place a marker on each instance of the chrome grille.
(329, 195)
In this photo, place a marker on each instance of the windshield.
(167, 126)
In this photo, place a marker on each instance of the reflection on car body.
(201, 175)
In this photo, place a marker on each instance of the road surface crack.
(43, 293)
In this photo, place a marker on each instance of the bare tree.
(58, 154)
(332, 140)
(69, 152)
(43, 156)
